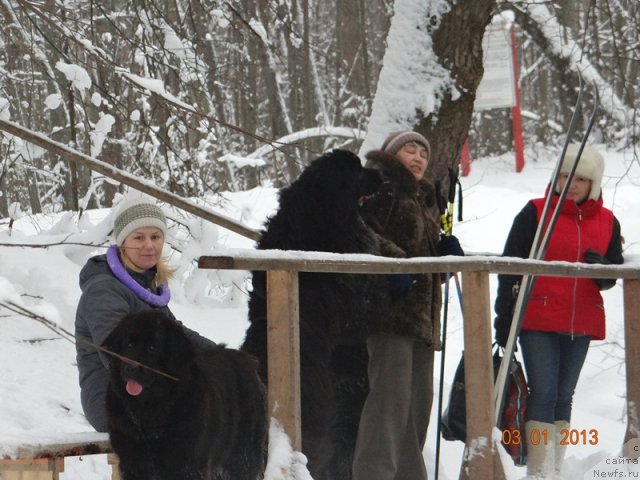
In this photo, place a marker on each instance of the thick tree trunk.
(458, 45)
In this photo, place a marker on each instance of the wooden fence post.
(283, 350)
(480, 458)
(32, 469)
(114, 463)
(631, 288)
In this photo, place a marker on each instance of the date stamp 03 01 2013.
(567, 436)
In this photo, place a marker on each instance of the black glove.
(502, 325)
(593, 257)
(400, 285)
(449, 245)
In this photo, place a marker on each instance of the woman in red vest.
(563, 314)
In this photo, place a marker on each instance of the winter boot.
(541, 438)
(560, 449)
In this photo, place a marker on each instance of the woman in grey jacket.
(131, 277)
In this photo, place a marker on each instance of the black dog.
(208, 422)
(319, 212)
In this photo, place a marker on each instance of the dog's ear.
(113, 341)
(116, 339)
(180, 350)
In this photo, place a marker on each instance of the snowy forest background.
(209, 99)
(206, 96)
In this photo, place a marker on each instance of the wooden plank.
(283, 343)
(43, 461)
(370, 264)
(480, 458)
(32, 469)
(56, 445)
(631, 295)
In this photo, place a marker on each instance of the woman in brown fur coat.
(402, 340)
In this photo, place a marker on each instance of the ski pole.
(446, 224)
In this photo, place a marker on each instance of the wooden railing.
(42, 458)
(283, 342)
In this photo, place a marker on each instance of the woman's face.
(414, 157)
(143, 247)
(578, 190)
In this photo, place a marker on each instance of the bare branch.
(70, 337)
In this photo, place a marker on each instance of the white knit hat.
(590, 165)
(137, 212)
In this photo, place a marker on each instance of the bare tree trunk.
(198, 19)
(568, 12)
(366, 68)
(347, 43)
(34, 193)
(304, 82)
(281, 123)
(309, 110)
(351, 66)
(247, 100)
(71, 175)
(4, 206)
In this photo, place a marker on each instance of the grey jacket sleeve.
(103, 303)
(198, 340)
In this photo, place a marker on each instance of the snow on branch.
(577, 59)
(256, 158)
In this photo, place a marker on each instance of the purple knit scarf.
(118, 270)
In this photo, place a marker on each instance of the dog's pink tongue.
(133, 388)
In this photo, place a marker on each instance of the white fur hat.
(137, 212)
(590, 165)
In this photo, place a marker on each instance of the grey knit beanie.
(397, 140)
(590, 165)
(135, 213)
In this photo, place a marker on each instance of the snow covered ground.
(39, 392)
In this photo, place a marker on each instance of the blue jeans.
(553, 362)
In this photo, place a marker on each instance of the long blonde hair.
(164, 272)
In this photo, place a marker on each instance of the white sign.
(497, 88)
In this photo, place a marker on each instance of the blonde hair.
(163, 271)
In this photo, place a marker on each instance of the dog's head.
(149, 344)
(320, 210)
(341, 174)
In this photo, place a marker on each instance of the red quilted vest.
(564, 304)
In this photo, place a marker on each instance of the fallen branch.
(47, 245)
(70, 337)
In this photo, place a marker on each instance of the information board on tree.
(497, 88)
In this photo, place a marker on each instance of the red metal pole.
(465, 159)
(516, 116)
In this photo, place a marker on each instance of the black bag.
(454, 419)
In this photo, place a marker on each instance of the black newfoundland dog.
(178, 414)
(319, 212)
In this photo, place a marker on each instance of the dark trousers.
(395, 417)
(553, 362)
